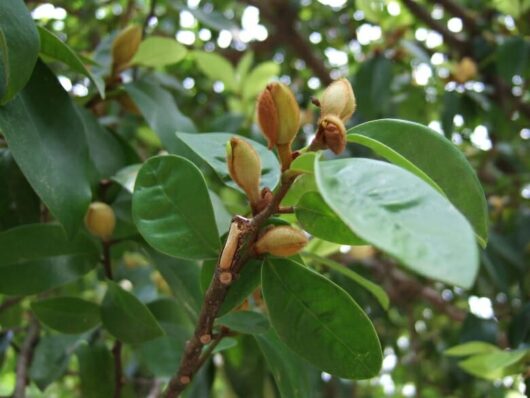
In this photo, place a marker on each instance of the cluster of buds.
(336, 106)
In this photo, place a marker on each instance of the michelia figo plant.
(402, 209)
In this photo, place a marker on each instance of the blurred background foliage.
(460, 67)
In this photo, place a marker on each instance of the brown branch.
(150, 15)
(457, 10)
(283, 17)
(244, 233)
(25, 357)
(9, 302)
(423, 14)
(118, 369)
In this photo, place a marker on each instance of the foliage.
(135, 251)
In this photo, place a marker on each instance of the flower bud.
(278, 114)
(124, 47)
(331, 134)
(338, 99)
(281, 241)
(100, 220)
(465, 70)
(244, 166)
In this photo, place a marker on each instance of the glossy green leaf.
(305, 307)
(45, 136)
(290, 372)
(433, 158)
(494, 365)
(96, 371)
(38, 257)
(126, 177)
(161, 356)
(240, 289)
(51, 357)
(19, 48)
(211, 147)
(377, 291)
(216, 67)
(400, 214)
(126, 318)
(248, 322)
(160, 111)
(222, 217)
(69, 315)
(159, 51)
(53, 47)
(471, 348)
(320, 220)
(172, 209)
(213, 19)
(304, 163)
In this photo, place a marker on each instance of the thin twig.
(247, 230)
(9, 302)
(118, 372)
(25, 357)
(150, 16)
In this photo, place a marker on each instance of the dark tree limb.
(9, 302)
(459, 11)
(243, 233)
(25, 357)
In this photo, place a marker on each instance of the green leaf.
(126, 318)
(290, 372)
(183, 280)
(515, 8)
(216, 68)
(258, 78)
(512, 58)
(162, 355)
(19, 48)
(38, 257)
(248, 322)
(105, 150)
(320, 321)
(45, 136)
(211, 147)
(305, 163)
(431, 157)
(471, 348)
(96, 371)
(51, 358)
(400, 214)
(126, 177)
(376, 290)
(494, 365)
(53, 47)
(69, 315)
(222, 216)
(240, 289)
(212, 19)
(172, 209)
(320, 220)
(160, 111)
(159, 51)
(18, 202)
(244, 65)
(372, 83)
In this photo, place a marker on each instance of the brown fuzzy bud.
(282, 241)
(244, 166)
(100, 220)
(124, 47)
(333, 133)
(338, 99)
(278, 114)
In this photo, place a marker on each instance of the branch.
(457, 10)
(283, 18)
(118, 372)
(25, 357)
(423, 14)
(235, 254)
(151, 14)
(9, 302)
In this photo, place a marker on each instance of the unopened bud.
(281, 241)
(100, 220)
(278, 114)
(465, 70)
(332, 133)
(124, 47)
(244, 166)
(338, 99)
